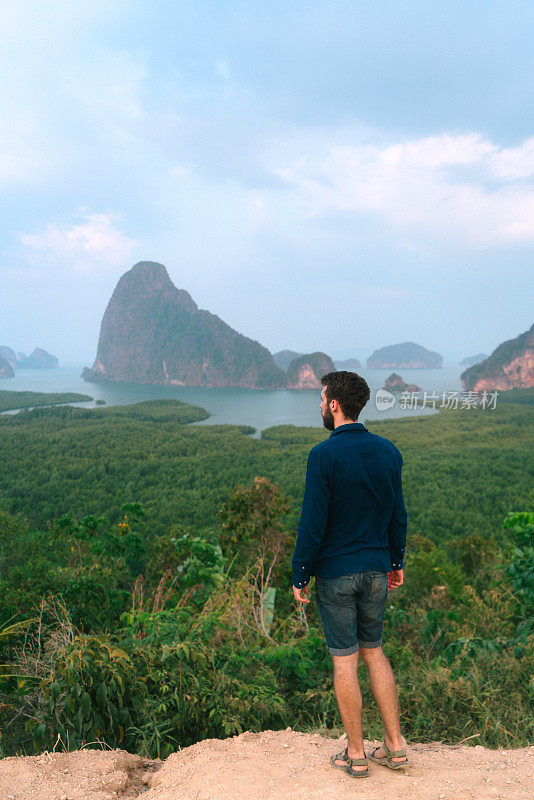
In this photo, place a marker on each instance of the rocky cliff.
(406, 355)
(154, 333)
(306, 371)
(284, 358)
(6, 370)
(510, 366)
(9, 355)
(39, 359)
(394, 383)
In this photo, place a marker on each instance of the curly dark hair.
(349, 389)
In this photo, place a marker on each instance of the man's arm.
(397, 531)
(313, 516)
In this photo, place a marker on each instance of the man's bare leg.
(385, 692)
(349, 701)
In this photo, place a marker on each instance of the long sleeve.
(313, 517)
(398, 524)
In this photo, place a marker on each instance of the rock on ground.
(273, 765)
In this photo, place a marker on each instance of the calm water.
(258, 408)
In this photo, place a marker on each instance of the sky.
(334, 176)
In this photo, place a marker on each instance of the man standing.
(351, 536)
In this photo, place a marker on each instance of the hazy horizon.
(450, 356)
(322, 176)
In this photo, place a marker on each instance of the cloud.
(461, 188)
(515, 162)
(94, 243)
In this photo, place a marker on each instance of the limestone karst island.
(154, 333)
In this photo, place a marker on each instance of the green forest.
(10, 400)
(145, 568)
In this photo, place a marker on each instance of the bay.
(260, 408)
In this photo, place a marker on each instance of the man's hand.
(299, 593)
(395, 579)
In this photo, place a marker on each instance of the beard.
(328, 420)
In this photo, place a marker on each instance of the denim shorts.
(352, 610)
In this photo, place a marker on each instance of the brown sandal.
(386, 760)
(349, 763)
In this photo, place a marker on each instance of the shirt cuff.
(301, 576)
(397, 559)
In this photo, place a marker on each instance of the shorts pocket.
(379, 586)
(334, 590)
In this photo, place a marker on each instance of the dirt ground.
(273, 765)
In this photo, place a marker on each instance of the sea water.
(260, 408)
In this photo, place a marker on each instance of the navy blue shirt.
(353, 516)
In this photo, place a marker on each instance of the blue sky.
(332, 176)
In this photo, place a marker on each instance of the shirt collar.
(350, 426)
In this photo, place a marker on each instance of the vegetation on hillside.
(150, 625)
(464, 469)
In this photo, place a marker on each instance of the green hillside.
(137, 551)
(464, 469)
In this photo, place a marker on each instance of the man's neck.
(343, 421)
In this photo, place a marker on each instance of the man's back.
(353, 516)
(352, 534)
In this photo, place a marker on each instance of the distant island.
(39, 359)
(470, 361)
(284, 358)
(154, 333)
(406, 355)
(349, 364)
(306, 372)
(510, 366)
(8, 355)
(394, 383)
(6, 370)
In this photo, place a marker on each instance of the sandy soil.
(272, 765)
